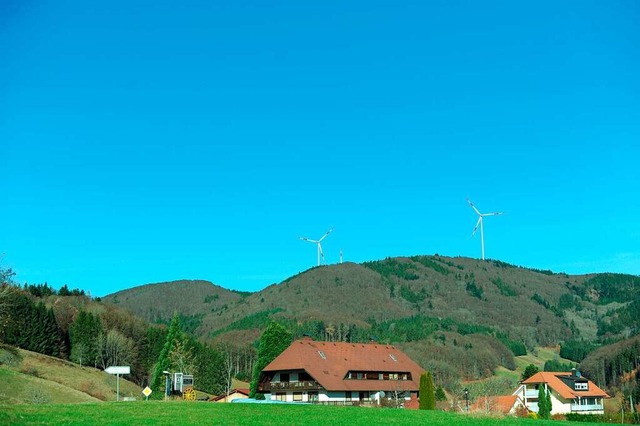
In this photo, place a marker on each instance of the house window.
(364, 396)
(297, 396)
(359, 376)
(393, 357)
(281, 396)
(581, 386)
(303, 376)
(347, 395)
(313, 396)
(284, 377)
(322, 355)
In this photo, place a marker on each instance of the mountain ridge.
(536, 307)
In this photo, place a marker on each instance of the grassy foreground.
(172, 413)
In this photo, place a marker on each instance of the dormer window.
(581, 386)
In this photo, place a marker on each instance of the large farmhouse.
(570, 393)
(339, 373)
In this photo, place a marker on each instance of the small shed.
(233, 394)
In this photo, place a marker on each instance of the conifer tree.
(529, 371)
(431, 397)
(427, 392)
(83, 334)
(164, 362)
(273, 342)
(544, 403)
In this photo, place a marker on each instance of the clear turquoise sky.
(151, 141)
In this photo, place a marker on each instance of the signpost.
(146, 392)
(118, 370)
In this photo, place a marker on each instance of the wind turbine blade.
(473, 207)
(492, 214)
(477, 224)
(307, 239)
(326, 233)
(321, 251)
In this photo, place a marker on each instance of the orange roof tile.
(329, 362)
(502, 404)
(553, 380)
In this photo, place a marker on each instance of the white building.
(570, 393)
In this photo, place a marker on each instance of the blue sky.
(148, 141)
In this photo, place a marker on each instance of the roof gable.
(232, 392)
(503, 404)
(558, 382)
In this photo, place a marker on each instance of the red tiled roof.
(552, 379)
(328, 363)
(502, 404)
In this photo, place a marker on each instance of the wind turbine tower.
(480, 223)
(318, 242)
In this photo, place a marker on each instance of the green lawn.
(202, 413)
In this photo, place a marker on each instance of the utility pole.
(466, 398)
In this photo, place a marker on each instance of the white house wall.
(558, 404)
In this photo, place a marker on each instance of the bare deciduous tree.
(115, 349)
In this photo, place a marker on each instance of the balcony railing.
(294, 386)
(587, 407)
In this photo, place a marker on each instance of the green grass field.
(172, 413)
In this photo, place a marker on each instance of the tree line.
(73, 327)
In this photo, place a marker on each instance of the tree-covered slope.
(191, 299)
(409, 299)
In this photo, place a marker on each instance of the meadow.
(179, 412)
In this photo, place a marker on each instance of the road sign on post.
(146, 392)
(118, 370)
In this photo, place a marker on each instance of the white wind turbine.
(318, 242)
(480, 216)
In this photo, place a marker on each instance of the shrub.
(37, 395)
(90, 389)
(31, 371)
(9, 356)
(589, 418)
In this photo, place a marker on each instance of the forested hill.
(462, 319)
(397, 296)
(158, 302)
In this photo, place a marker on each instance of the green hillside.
(29, 377)
(469, 322)
(537, 308)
